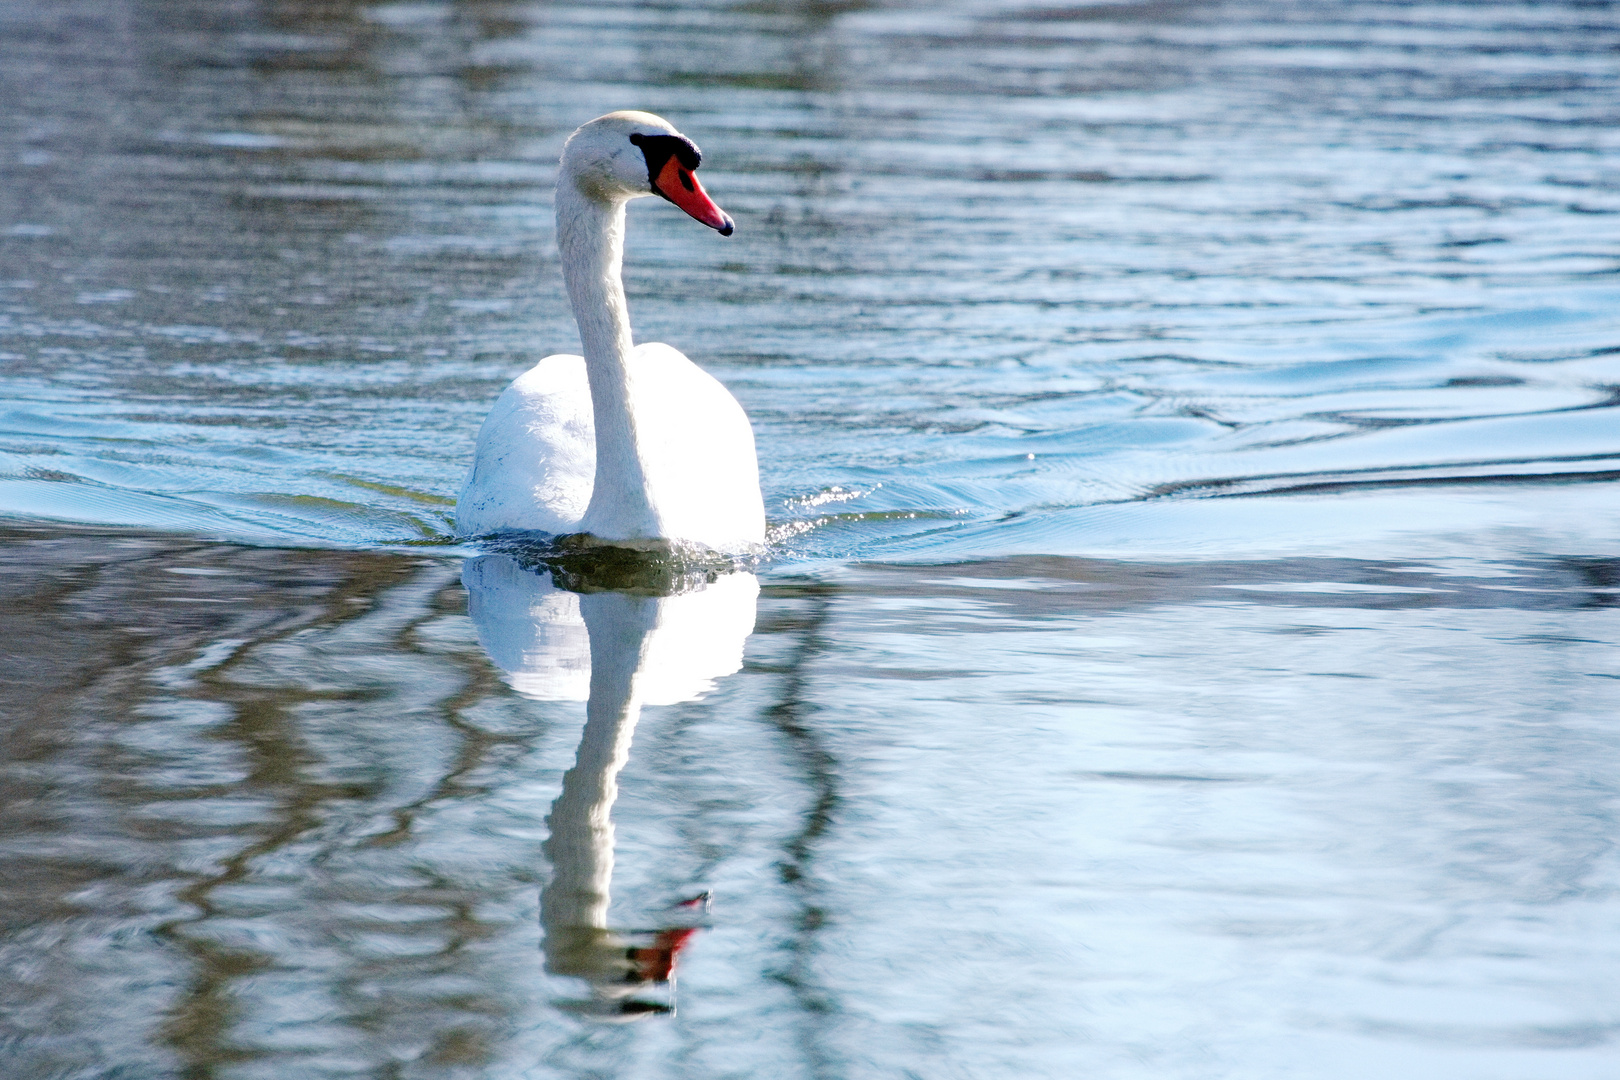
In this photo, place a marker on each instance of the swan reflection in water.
(654, 639)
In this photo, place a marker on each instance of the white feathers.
(628, 444)
(536, 455)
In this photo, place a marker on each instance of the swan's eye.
(659, 150)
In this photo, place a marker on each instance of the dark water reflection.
(277, 813)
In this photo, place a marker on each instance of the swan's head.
(625, 155)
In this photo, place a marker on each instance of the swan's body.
(630, 444)
(536, 464)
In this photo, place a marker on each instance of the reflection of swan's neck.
(581, 844)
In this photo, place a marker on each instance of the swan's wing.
(535, 460)
(698, 448)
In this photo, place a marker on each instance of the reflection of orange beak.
(657, 964)
(677, 184)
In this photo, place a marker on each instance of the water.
(1187, 645)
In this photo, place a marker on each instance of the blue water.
(266, 272)
(1186, 647)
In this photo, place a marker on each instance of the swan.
(631, 445)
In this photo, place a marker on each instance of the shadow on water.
(578, 563)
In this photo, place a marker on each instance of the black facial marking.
(658, 149)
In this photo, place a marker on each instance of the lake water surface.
(1187, 645)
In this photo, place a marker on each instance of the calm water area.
(1187, 642)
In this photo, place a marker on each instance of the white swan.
(632, 444)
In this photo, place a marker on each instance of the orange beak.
(677, 184)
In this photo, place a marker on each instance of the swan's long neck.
(590, 236)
